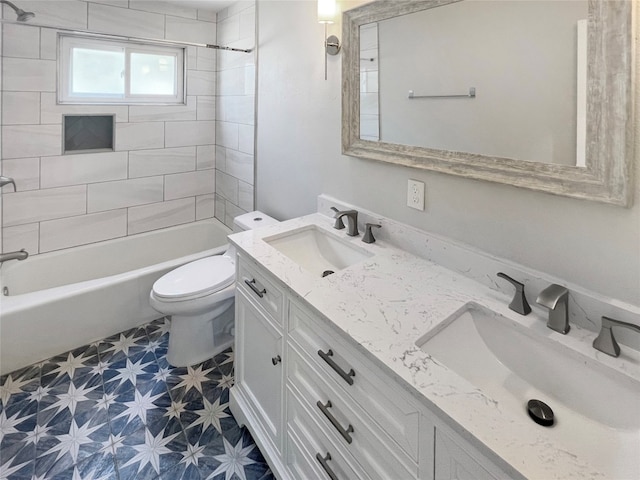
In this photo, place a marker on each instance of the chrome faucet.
(20, 255)
(6, 181)
(605, 341)
(352, 221)
(519, 303)
(555, 298)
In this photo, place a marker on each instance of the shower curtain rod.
(128, 37)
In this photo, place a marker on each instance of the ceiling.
(215, 5)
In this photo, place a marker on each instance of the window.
(105, 71)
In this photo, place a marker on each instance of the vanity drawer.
(261, 288)
(373, 393)
(311, 441)
(354, 432)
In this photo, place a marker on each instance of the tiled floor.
(116, 409)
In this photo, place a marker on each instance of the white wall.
(298, 157)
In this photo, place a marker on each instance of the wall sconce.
(327, 10)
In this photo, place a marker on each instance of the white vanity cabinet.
(319, 409)
(257, 398)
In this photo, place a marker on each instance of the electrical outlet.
(415, 194)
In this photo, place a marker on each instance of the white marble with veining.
(385, 303)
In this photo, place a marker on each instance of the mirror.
(516, 92)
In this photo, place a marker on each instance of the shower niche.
(88, 133)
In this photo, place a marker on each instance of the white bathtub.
(65, 299)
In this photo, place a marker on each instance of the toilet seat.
(196, 279)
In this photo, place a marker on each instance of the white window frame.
(68, 42)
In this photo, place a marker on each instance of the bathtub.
(65, 299)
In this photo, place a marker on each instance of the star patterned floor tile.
(117, 410)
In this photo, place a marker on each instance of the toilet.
(199, 297)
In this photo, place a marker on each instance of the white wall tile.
(20, 41)
(231, 212)
(161, 215)
(206, 59)
(221, 158)
(164, 8)
(121, 21)
(83, 229)
(206, 108)
(231, 82)
(229, 30)
(227, 135)
(205, 206)
(124, 193)
(219, 208)
(227, 187)
(48, 44)
(20, 108)
(179, 134)
(245, 196)
(369, 104)
(24, 171)
(61, 13)
(207, 15)
(236, 109)
(115, 3)
(240, 165)
(83, 168)
(248, 24)
(52, 113)
(139, 136)
(246, 138)
(201, 83)
(192, 58)
(27, 75)
(145, 163)
(20, 141)
(206, 157)
(189, 184)
(21, 236)
(161, 113)
(188, 30)
(228, 60)
(39, 205)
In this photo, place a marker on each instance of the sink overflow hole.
(540, 412)
(327, 273)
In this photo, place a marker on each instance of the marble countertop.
(385, 303)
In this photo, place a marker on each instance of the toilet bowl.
(199, 297)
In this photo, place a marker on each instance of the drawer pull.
(345, 433)
(325, 465)
(276, 360)
(252, 285)
(346, 376)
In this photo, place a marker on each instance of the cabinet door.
(260, 372)
(452, 462)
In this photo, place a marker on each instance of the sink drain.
(327, 273)
(540, 412)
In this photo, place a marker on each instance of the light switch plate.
(415, 194)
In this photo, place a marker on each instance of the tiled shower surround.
(163, 170)
(117, 410)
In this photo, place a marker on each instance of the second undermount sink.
(597, 412)
(317, 251)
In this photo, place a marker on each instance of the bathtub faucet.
(21, 255)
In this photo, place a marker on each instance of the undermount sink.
(597, 412)
(316, 250)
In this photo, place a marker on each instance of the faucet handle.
(368, 235)
(519, 303)
(339, 224)
(605, 341)
(6, 181)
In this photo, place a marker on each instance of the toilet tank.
(251, 220)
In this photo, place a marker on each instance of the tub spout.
(20, 255)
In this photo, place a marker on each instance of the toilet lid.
(200, 277)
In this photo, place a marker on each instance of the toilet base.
(196, 338)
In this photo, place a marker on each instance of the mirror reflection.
(524, 60)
